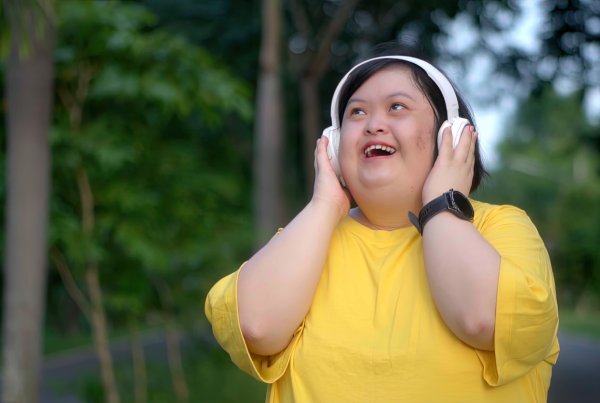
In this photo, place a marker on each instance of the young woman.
(417, 294)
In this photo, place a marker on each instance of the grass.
(586, 324)
(210, 374)
(55, 342)
(213, 378)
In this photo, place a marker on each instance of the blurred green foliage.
(160, 128)
(156, 108)
(550, 167)
(213, 379)
(582, 324)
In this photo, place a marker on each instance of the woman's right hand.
(327, 188)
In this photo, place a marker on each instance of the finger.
(321, 145)
(464, 143)
(446, 145)
(473, 148)
(321, 156)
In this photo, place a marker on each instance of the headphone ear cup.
(332, 148)
(457, 126)
(440, 135)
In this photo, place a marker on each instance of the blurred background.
(148, 147)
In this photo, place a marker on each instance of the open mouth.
(378, 150)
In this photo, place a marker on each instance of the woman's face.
(387, 135)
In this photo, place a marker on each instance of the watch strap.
(444, 202)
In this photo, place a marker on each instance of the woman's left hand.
(453, 168)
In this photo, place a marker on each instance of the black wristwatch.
(452, 201)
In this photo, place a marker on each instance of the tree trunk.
(311, 126)
(92, 280)
(172, 340)
(311, 74)
(175, 362)
(139, 366)
(28, 86)
(269, 200)
(100, 335)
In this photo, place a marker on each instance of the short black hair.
(424, 82)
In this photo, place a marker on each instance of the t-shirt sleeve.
(221, 309)
(526, 309)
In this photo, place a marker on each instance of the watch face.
(463, 204)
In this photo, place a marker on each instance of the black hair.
(423, 82)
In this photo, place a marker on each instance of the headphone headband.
(437, 76)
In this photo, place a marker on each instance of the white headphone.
(456, 123)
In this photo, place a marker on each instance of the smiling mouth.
(379, 151)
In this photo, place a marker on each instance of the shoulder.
(501, 217)
(483, 209)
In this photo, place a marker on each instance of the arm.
(276, 286)
(462, 267)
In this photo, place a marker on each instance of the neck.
(386, 209)
(382, 220)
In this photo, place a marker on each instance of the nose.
(375, 125)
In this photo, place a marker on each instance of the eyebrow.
(393, 95)
(401, 94)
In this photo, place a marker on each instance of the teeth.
(369, 149)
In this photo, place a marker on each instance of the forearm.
(462, 269)
(276, 286)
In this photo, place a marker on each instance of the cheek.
(346, 141)
(426, 139)
(425, 142)
(422, 143)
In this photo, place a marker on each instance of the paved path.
(62, 373)
(575, 379)
(576, 376)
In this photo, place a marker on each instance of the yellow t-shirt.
(373, 333)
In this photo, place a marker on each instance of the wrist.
(328, 209)
(451, 201)
(431, 195)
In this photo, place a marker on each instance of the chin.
(377, 180)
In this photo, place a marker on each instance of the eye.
(396, 106)
(356, 112)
